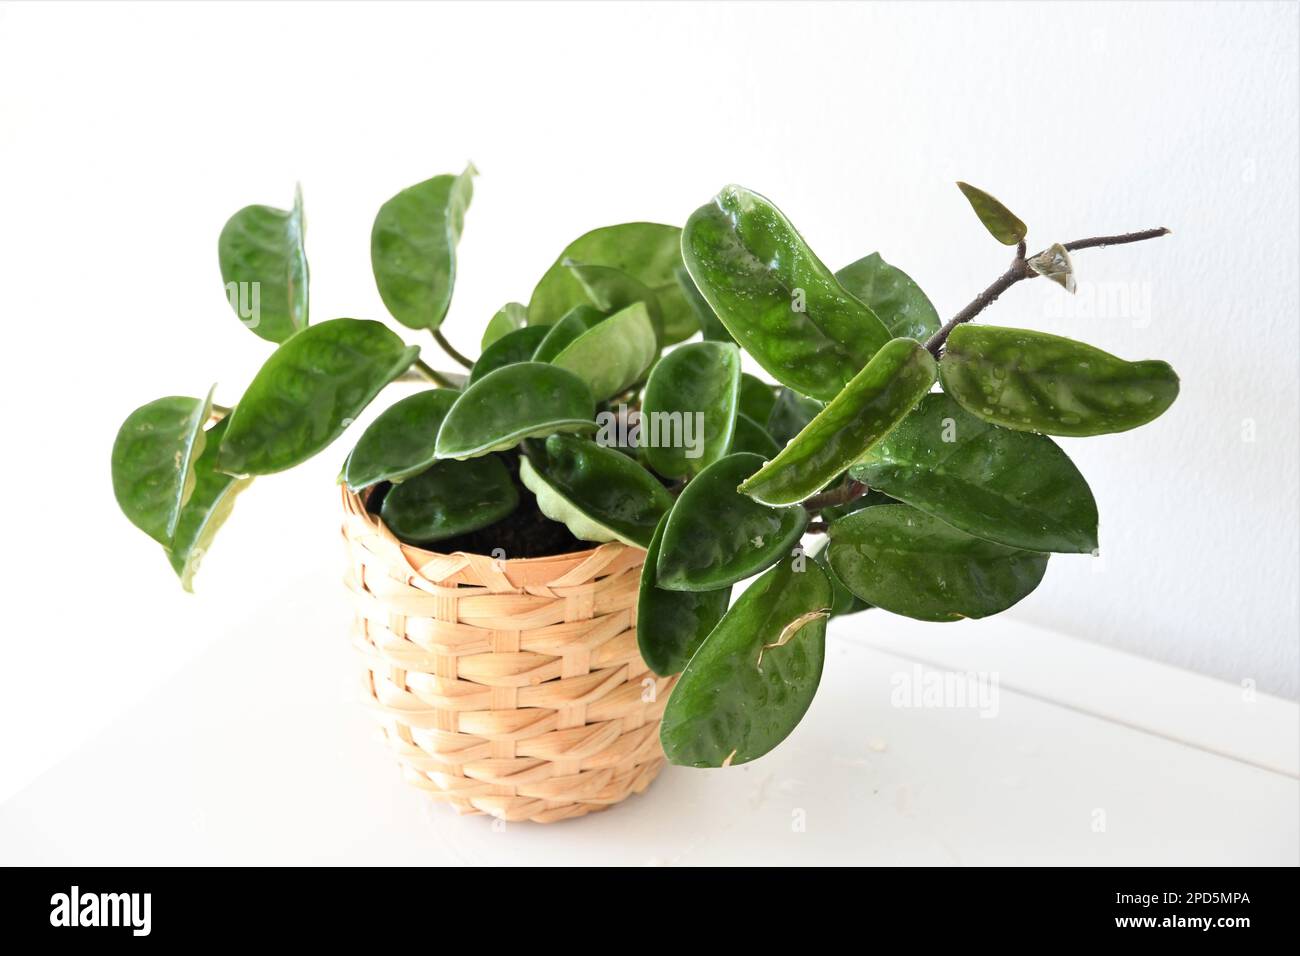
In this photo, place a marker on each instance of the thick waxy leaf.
(516, 346)
(413, 248)
(716, 536)
(753, 678)
(599, 494)
(692, 393)
(264, 267)
(309, 390)
(646, 252)
(1054, 263)
(509, 317)
(513, 403)
(206, 511)
(1032, 381)
(776, 298)
(1016, 488)
(752, 437)
(908, 562)
(613, 290)
(153, 462)
(756, 397)
(892, 295)
(450, 498)
(400, 442)
(710, 325)
(558, 336)
(790, 414)
(1001, 223)
(671, 625)
(861, 415)
(843, 600)
(612, 355)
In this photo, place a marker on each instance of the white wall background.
(129, 133)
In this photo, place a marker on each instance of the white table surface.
(259, 753)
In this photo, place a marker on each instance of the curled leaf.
(599, 494)
(862, 413)
(153, 461)
(413, 248)
(264, 266)
(206, 511)
(1054, 263)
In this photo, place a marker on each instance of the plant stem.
(450, 350)
(1018, 270)
(849, 491)
(431, 374)
(816, 527)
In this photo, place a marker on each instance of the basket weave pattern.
(507, 687)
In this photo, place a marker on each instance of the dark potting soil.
(525, 533)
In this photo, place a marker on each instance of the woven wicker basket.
(511, 687)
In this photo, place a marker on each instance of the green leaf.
(892, 295)
(309, 390)
(558, 336)
(613, 290)
(153, 462)
(716, 536)
(862, 414)
(671, 625)
(790, 414)
(599, 494)
(843, 600)
(1011, 487)
(754, 677)
(264, 268)
(516, 346)
(1032, 381)
(400, 442)
(1001, 223)
(513, 403)
(1054, 262)
(692, 392)
(710, 325)
(647, 252)
(908, 562)
(776, 298)
(750, 436)
(757, 398)
(207, 509)
(413, 248)
(509, 317)
(450, 498)
(613, 354)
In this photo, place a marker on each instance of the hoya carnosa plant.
(613, 406)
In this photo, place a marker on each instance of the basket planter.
(507, 687)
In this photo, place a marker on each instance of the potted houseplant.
(544, 545)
